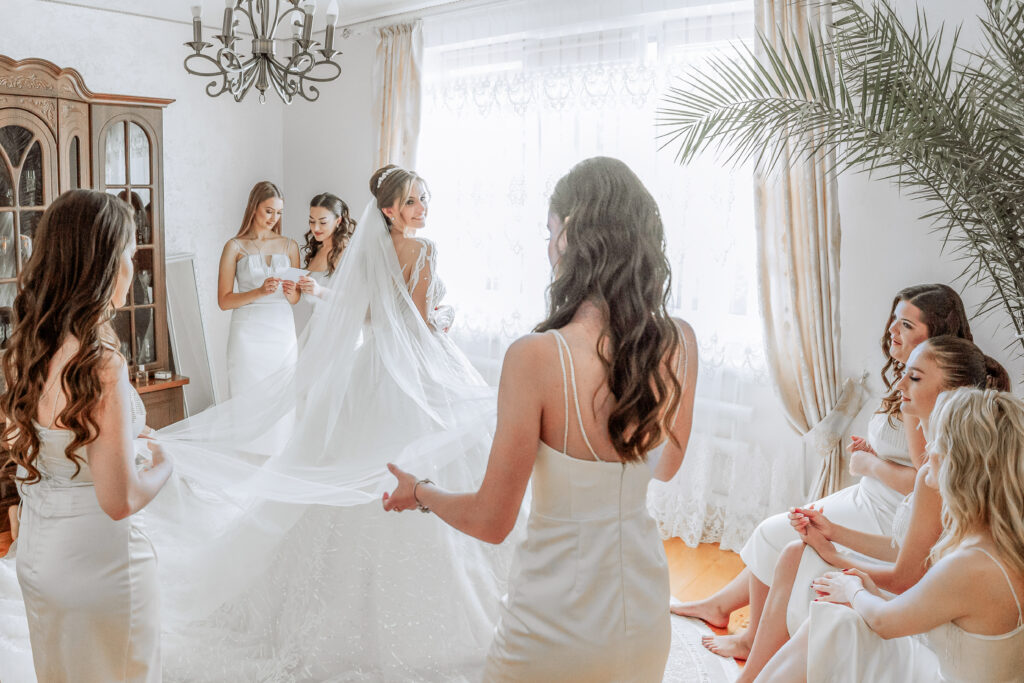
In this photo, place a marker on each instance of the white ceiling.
(351, 11)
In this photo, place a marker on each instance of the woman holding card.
(261, 340)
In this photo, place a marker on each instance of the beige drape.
(397, 83)
(797, 217)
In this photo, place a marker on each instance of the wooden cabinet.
(57, 135)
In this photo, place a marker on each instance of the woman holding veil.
(278, 563)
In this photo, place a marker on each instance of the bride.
(279, 564)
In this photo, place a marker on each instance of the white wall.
(885, 246)
(329, 143)
(214, 149)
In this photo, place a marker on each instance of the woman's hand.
(159, 455)
(837, 587)
(288, 287)
(821, 545)
(403, 497)
(269, 286)
(862, 457)
(308, 285)
(807, 518)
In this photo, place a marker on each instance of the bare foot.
(703, 610)
(734, 645)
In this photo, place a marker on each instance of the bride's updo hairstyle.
(615, 258)
(65, 290)
(979, 445)
(942, 312)
(963, 364)
(390, 185)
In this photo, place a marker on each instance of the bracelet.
(854, 596)
(420, 506)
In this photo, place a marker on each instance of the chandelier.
(290, 75)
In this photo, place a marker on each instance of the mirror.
(189, 346)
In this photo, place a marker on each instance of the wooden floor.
(696, 573)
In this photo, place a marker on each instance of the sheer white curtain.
(514, 95)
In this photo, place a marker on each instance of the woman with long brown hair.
(606, 378)
(330, 230)
(87, 572)
(262, 338)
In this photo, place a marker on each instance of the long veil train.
(276, 559)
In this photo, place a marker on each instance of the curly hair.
(341, 235)
(615, 258)
(64, 292)
(942, 312)
(979, 443)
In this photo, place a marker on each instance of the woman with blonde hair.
(261, 339)
(86, 569)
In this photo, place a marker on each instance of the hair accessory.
(385, 174)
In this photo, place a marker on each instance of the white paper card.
(290, 274)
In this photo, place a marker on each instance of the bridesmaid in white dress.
(261, 339)
(968, 605)
(330, 230)
(612, 378)
(86, 569)
(938, 364)
(886, 462)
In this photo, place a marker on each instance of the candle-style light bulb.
(229, 4)
(197, 24)
(332, 13)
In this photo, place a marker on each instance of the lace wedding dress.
(279, 564)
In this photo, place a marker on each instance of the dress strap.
(240, 246)
(1020, 615)
(575, 396)
(565, 392)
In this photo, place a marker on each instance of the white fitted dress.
(589, 591)
(89, 583)
(261, 339)
(307, 304)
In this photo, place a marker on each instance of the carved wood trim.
(40, 78)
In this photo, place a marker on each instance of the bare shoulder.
(113, 367)
(412, 250)
(529, 358)
(688, 334)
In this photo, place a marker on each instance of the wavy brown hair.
(393, 187)
(260, 192)
(615, 258)
(341, 235)
(64, 292)
(942, 312)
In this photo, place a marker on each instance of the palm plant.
(883, 95)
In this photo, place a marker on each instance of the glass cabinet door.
(128, 174)
(25, 189)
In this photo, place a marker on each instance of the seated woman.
(968, 604)
(886, 462)
(936, 365)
